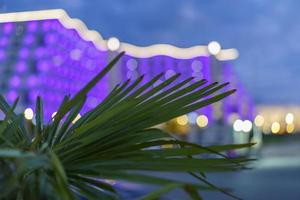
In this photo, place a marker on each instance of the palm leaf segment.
(65, 160)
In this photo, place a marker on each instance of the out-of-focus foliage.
(64, 159)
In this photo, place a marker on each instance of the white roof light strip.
(101, 44)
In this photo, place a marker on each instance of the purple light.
(206, 67)
(2, 54)
(43, 66)
(40, 52)
(46, 25)
(29, 39)
(144, 68)
(65, 62)
(32, 26)
(92, 52)
(33, 94)
(50, 38)
(12, 95)
(4, 41)
(8, 28)
(15, 81)
(58, 26)
(32, 81)
(21, 66)
(90, 65)
(24, 53)
(169, 73)
(57, 61)
(92, 102)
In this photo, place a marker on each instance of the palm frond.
(115, 140)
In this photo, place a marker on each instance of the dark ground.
(275, 176)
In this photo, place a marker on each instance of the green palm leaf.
(115, 140)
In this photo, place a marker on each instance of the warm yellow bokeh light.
(202, 121)
(259, 120)
(28, 114)
(182, 120)
(289, 118)
(275, 127)
(76, 118)
(290, 128)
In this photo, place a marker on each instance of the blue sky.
(266, 32)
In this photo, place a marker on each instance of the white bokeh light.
(132, 64)
(214, 47)
(75, 54)
(197, 65)
(247, 126)
(289, 118)
(28, 113)
(238, 125)
(113, 44)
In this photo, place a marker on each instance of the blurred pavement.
(275, 176)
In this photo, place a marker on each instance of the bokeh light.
(28, 114)
(289, 118)
(238, 125)
(259, 120)
(214, 47)
(290, 128)
(182, 120)
(247, 126)
(113, 43)
(202, 121)
(275, 127)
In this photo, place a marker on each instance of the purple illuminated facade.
(240, 102)
(198, 67)
(43, 57)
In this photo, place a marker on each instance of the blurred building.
(49, 54)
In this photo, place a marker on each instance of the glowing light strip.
(65, 20)
(32, 15)
(164, 49)
(101, 44)
(227, 54)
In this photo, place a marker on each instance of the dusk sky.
(266, 33)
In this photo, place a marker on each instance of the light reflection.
(76, 118)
